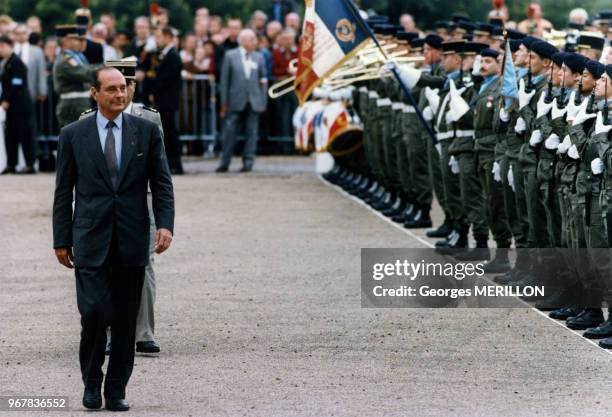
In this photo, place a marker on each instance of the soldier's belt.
(76, 94)
(372, 94)
(409, 109)
(456, 134)
(398, 106)
(363, 89)
(383, 102)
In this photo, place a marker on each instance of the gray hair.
(245, 32)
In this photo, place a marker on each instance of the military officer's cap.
(575, 26)
(376, 20)
(465, 27)
(544, 49)
(590, 42)
(514, 44)
(403, 36)
(596, 68)
(127, 68)
(498, 33)
(474, 48)
(528, 41)
(468, 37)
(461, 17)
(385, 29)
(434, 41)
(497, 21)
(69, 31)
(442, 25)
(516, 34)
(558, 58)
(489, 53)
(453, 47)
(605, 15)
(575, 62)
(484, 29)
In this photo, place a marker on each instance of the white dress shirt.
(101, 122)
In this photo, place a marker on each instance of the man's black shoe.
(8, 170)
(589, 317)
(177, 171)
(116, 404)
(499, 264)
(26, 171)
(606, 343)
(420, 220)
(514, 275)
(92, 397)
(246, 169)
(405, 215)
(600, 332)
(221, 169)
(443, 231)
(149, 346)
(565, 313)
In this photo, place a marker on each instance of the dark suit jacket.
(99, 208)
(167, 83)
(15, 85)
(94, 52)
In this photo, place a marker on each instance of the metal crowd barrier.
(196, 120)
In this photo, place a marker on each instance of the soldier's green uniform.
(486, 140)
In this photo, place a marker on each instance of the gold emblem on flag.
(345, 30)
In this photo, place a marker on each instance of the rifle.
(561, 100)
(606, 108)
(578, 96)
(529, 85)
(548, 98)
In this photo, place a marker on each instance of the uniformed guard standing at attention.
(15, 100)
(72, 74)
(145, 324)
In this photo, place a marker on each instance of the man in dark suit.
(166, 94)
(108, 160)
(243, 94)
(15, 100)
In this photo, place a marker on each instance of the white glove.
(556, 111)
(536, 138)
(390, 65)
(597, 166)
(543, 106)
(573, 152)
(409, 76)
(477, 65)
(454, 165)
(438, 147)
(433, 98)
(583, 115)
(600, 127)
(572, 109)
(524, 97)
(448, 117)
(504, 115)
(428, 114)
(521, 126)
(552, 142)
(496, 172)
(565, 145)
(511, 179)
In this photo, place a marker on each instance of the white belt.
(363, 89)
(409, 109)
(383, 102)
(372, 94)
(76, 94)
(457, 134)
(398, 106)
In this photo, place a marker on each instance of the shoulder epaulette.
(151, 109)
(89, 111)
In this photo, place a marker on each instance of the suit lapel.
(95, 149)
(128, 144)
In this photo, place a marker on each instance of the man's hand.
(64, 257)
(163, 239)
(41, 98)
(223, 111)
(5, 105)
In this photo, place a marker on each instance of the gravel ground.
(258, 314)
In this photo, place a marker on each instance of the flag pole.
(405, 89)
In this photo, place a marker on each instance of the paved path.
(259, 314)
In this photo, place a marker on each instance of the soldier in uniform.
(145, 324)
(72, 75)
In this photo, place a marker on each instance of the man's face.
(600, 88)
(162, 40)
(431, 55)
(557, 75)
(588, 82)
(286, 40)
(567, 77)
(248, 42)
(451, 62)
(292, 20)
(112, 95)
(20, 34)
(468, 62)
(131, 90)
(5, 50)
(521, 56)
(488, 66)
(482, 39)
(233, 29)
(142, 29)
(536, 63)
(76, 44)
(593, 54)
